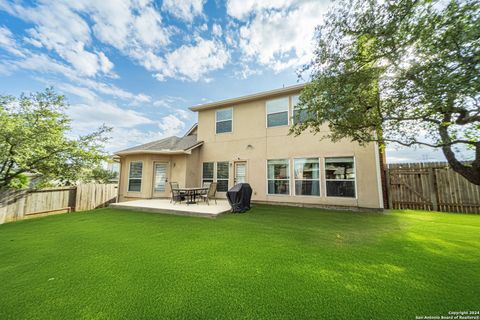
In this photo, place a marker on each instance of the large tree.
(34, 138)
(399, 71)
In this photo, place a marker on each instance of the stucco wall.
(176, 164)
(253, 142)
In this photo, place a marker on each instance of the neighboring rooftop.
(170, 145)
(248, 98)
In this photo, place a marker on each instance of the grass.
(273, 262)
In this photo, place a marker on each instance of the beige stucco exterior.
(252, 142)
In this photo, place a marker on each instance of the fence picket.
(430, 186)
(21, 204)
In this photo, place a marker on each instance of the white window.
(223, 120)
(222, 176)
(299, 114)
(207, 172)
(277, 112)
(216, 171)
(340, 177)
(307, 177)
(135, 176)
(278, 176)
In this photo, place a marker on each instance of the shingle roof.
(168, 145)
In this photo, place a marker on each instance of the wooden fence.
(430, 186)
(25, 203)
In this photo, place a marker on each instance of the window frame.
(354, 171)
(289, 179)
(216, 179)
(141, 179)
(216, 120)
(202, 178)
(267, 114)
(320, 187)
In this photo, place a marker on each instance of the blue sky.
(137, 65)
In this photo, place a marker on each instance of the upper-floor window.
(340, 177)
(299, 114)
(223, 120)
(135, 176)
(277, 112)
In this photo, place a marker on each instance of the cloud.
(7, 42)
(128, 25)
(185, 10)
(46, 65)
(171, 125)
(241, 9)
(217, 30)
(87, 116)
(281, 39)
(57, 27)
(191, 62)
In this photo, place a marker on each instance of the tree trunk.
(469, 172)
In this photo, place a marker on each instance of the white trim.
(213, 173)
(252, 97)
(289, 178)
(154, 163)
(379, 175)
(235, 162)
(128, 176)
(191, 129)
(186, 151)
(267, 114)
(292, 107)
(319, 178)
(231, 119)
(355, 180)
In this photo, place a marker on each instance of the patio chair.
(212, 190)
(177, 195)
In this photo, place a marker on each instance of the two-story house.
(246, 139)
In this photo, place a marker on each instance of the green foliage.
(101, 175)
(34, 138)
(405, 72)
(19, 182)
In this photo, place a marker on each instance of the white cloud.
(57, 27)
(241, 9)
(281, 39)
(171, 125)
(192, 62)
(94, 114)
(134, 27)
(217, 30)
(44, 64)
(8, 43)
(131, 26)
(186, 10)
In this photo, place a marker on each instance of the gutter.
(248, 98)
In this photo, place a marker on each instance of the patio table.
(192, 193)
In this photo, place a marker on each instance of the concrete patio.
(200, 209)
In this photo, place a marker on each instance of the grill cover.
(239, 197)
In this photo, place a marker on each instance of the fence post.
(433, 189)
(389, 188)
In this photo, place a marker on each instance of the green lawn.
(273, 262)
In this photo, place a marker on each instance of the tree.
(101, 175)
(34, 139)
(405, 72)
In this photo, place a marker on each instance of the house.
(246, 139)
